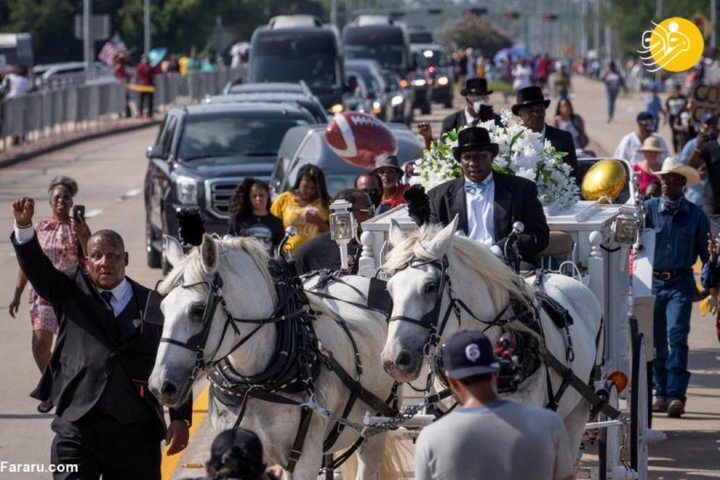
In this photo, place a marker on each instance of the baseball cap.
(243, 445)
(644, 116)
(709, 117)
(468, 353)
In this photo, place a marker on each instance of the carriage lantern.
(625, 227)
(343, 227)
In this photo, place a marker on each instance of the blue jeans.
(673, 306)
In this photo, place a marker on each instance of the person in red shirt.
(146, 78)
(388, 168)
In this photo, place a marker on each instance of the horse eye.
(430, 288)
(197, 311)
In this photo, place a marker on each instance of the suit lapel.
(457, 204)
(501, 206)
(461, 121)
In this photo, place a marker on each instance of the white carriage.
(616, 253)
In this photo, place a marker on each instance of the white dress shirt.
(469, 119)
(122, 293)
(481, 212)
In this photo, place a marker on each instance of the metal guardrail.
(79, 107)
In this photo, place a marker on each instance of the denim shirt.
(680, 237)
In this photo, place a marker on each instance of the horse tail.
(397, 457)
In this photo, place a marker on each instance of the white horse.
(485, 285)
(241, 265)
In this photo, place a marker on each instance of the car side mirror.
(155, 152)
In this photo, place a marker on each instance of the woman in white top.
(18, 84)
(522, 75)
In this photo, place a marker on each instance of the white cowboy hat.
(672, 165)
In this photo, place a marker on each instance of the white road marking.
(129, 194)
(93, 213)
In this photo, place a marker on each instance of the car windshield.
(233, 138)
(291, 59)
(429, 58)
(389, 56)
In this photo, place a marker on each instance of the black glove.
(418, 204)
(190, 226)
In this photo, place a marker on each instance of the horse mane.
(500, 279)
(192, 265)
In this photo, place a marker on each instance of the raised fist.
(23, 211)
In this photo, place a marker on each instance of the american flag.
(110, 49)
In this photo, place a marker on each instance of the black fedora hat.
(529, 96)
(474, 138)
(476, 86)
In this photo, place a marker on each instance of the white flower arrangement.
(521, 152)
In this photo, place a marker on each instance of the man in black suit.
(488, 203)
(477, 109)
(530, 107)
(106, 422)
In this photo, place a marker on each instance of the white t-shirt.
(18, 86)
(522, 77)
(505, 440)
(627, 148)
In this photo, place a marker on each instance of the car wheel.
(426, 109)
(154, 256)
(449, 102)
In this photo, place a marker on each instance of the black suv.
(201, 153)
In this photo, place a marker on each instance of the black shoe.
(676, 408)
(45, 407)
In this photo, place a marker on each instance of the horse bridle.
(197, 342)
(430, 320)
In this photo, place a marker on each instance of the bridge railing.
(79, 108)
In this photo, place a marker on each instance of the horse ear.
(173, 250)
(397, 236)
(441, 243)
(209, 253)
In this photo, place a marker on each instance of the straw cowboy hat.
(671, 165)
(651, 144)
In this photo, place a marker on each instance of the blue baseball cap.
(644, 116)
(468, 353)
(709, 117)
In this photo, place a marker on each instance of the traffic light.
(513, 15)
(549, 17)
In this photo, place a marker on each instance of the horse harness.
(294, 367)
(520, 351)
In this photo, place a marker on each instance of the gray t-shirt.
(505, 440)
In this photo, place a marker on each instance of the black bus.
(386, 42)
(300, 49)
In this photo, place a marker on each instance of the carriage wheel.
(639, 408)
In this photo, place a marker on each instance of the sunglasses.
(65, 197)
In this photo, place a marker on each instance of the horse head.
(415, 290)
(211, 295)
(428, 269)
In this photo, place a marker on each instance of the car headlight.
(442, 81)
(337, 108)
(186, 190)
(377, 108)
(419, 82)
(396, 100)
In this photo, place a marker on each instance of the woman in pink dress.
(648, 183)
(63, 240)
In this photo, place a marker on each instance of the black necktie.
(107, 296)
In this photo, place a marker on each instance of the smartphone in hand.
(78, 213)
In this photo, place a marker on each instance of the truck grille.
(217, 195)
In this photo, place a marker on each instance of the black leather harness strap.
(570, 379)
(296, 449)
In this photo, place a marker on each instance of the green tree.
(476, 32)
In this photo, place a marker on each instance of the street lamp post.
(87, 40)
(146, 24)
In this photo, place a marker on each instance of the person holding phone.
(64, 240)
(706, 155)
